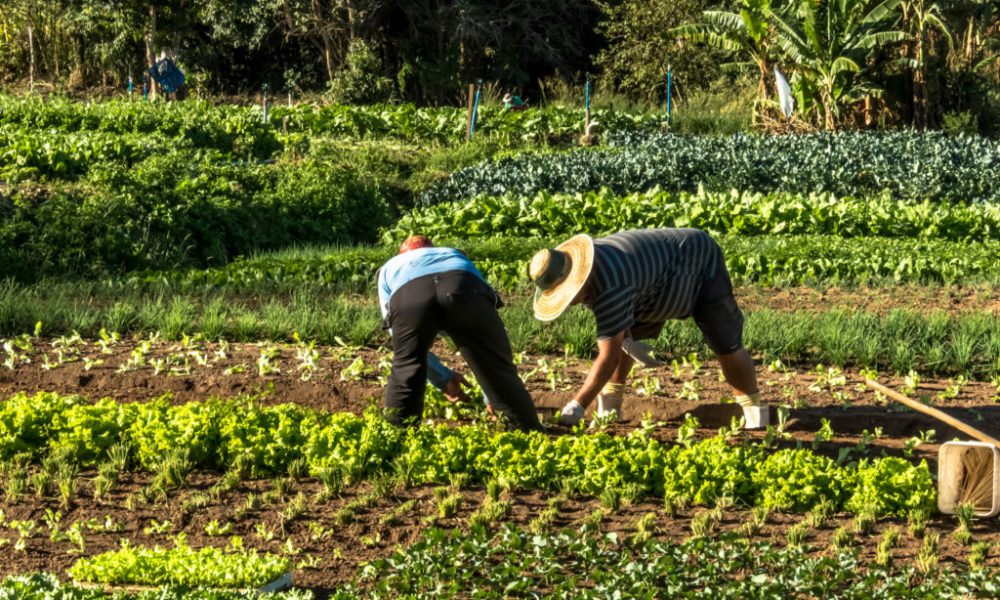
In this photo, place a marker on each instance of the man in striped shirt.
(633, 282)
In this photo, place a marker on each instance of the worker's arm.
(609, 353)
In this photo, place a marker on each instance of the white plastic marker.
(784, 93)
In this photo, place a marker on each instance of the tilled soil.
(329, 553)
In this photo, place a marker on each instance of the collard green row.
(910, 165)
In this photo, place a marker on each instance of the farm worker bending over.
(512, 102)
(424, 290)
(633, 281)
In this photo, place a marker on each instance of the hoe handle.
(930, 410)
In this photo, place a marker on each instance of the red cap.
(413, 242)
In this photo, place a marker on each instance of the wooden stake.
(468, 118)
(930, 410)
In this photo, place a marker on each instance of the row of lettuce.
(215, 433)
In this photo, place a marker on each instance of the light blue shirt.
(401, 269)
(406, 267)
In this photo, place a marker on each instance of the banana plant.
(748, 34)
(829, 43)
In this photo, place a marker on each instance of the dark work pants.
(465, 307)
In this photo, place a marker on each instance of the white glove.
(641, 352)
(755, 411)
(609, 403)
(572, 414)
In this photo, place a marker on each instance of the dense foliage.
(910, 165)
(577, 565)
(215, 433)
(232, 568)
(603, 212)
(45, 586)
(767, 260)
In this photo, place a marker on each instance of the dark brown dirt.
(857, 417)
(951, 299)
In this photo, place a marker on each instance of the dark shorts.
(716, 314)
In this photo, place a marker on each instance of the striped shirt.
(649, 276)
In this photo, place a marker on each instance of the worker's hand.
(453, 389)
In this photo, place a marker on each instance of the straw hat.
(560, 274)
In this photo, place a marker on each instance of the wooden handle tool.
(930, 410)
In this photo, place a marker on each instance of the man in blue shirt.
(425, 290)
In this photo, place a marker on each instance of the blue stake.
(130, 85)
(587, 105)
(265, 103)
(668, 93)
(475, 109)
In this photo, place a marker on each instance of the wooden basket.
(951, 471)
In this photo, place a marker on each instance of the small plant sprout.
(820, 514)
(264, 365)
(687, 429)
(978, 554)
(759, 514)
(797, 534)
(916, 521)
(864, 521)
(645, 527)
(611, 498)
(592, 522)
(927, 559)
(449, 506)
(215, 530)
(702, 525)
(842, 539)
(543, 522)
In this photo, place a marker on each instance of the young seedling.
(449, 506)
(890, 539)
(864, 522)
(611, 499)
(332, 478)
(215, 530)
(645, 527)
(592, 522)
(702, 525)
(916, 521)
(395, 515)
(66, 482)
(295, 508)
(821, 513)
(297, 469)
(759, 514)
(543, 522)
(631, 493)
(927, 559)
(797, 534)
(842, 539)
(491, 512)
(42, 483)
(978, 555)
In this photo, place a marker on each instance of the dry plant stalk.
(976, 486)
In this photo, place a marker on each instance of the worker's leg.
(738, 368)
(471, 319)
(414, 319)
(721, 322)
